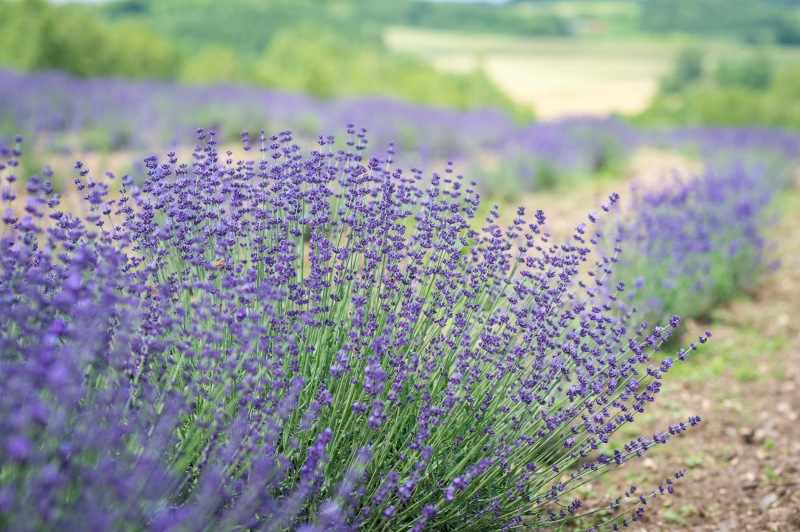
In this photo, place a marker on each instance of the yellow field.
(555, 76)
(562, 76)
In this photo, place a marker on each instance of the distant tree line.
(36, 35)
(742, 91)
(755, 21)
(247, 25)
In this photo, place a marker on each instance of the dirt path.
(743, 460)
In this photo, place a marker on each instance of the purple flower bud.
(18, 447)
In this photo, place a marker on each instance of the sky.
(460, 1)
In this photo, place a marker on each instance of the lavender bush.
(576, 146)
(775, 150)
(308, 340)
(695, 243)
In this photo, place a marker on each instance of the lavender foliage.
(308, 340)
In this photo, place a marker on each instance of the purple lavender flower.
(311, 340)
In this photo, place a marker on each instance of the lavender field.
(232, 307)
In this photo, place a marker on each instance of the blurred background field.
(586, 76)
(656, 60)
(547, 103)
(537, 101)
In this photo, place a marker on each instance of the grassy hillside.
(324, 52)
(554, 57)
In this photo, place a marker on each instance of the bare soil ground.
(743, 460)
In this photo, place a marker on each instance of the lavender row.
(66, 112)
(126, 113)
(108, 113)
(313, 340)
(698, 241)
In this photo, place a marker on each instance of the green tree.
(310, 59)
(687, 69)
(36, 35)
(754, 73)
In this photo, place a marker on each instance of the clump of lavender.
(546, 155)
(308, 340)
(693, 244)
